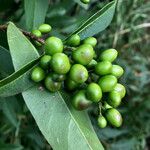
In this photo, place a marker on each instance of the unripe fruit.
(90, 40)
(114, 117)
(94, 92)
(78, 73)
(53, 45)
(37, 33)
(60, 63)
(121, 89)
(117, 71)
(85, 1)
(106, 105)
(45, 61)
(114, 99)
(51, 85)
(92, 63)
(58, 77)
(74, 40)
(83, 54)
(71, 85)
(107, 83)
(45, 28)
(37, 74)
(102, 122)
(80, 101)
(103, 68)
(109, 55)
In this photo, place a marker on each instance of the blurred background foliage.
(129, 33)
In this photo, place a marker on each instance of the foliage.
(18, 129)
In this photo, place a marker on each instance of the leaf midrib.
(75, 121)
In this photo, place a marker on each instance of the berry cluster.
(75, 67)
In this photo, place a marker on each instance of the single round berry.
(114, 99)
(90, 40)
(114, 117)
(78, 73)
(85, 1)
(94, 92)
(79, 101)
(106, 105)
(51, 85)
(109, 55)
(121, 89)
(45, 28)
(45, 61)
(37, 33)
(103, 68)
(117, 71)
(37, 74)
(83, 54)
(71, 85)
(53, 45)
(102, 122)
(107, 83)
(58, 77)
(92, 63)
(74, 40)
(60, 63)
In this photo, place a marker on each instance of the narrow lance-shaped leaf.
(19, 80)
(98, 22)
(35, 12)
(58, 121)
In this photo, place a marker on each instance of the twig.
(140, 26)
(28, 34)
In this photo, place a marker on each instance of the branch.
(28, 34)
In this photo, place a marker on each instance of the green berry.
(60, 63)
(85, 1)
(74, 40)
(78, 73)
(79, 101)
(102, 122)
(37, 74)
(114, 99)
(109, 55)
(90, 40)
(71, 85)
(121, 89)
(51, 85)
(114, 117)
(58, 77)
(107, 83)
(45, 28)
(83, 54)
(94, 92)
(103, 68)
(45, 61)
(36, 33)
(53, 45)
(92, 63)
(117, 71)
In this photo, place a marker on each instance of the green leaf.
(8, 107)
(20, 47)
(98, 22)
(6, 63)
(57, 120)
(35, 12)
(19, 80)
